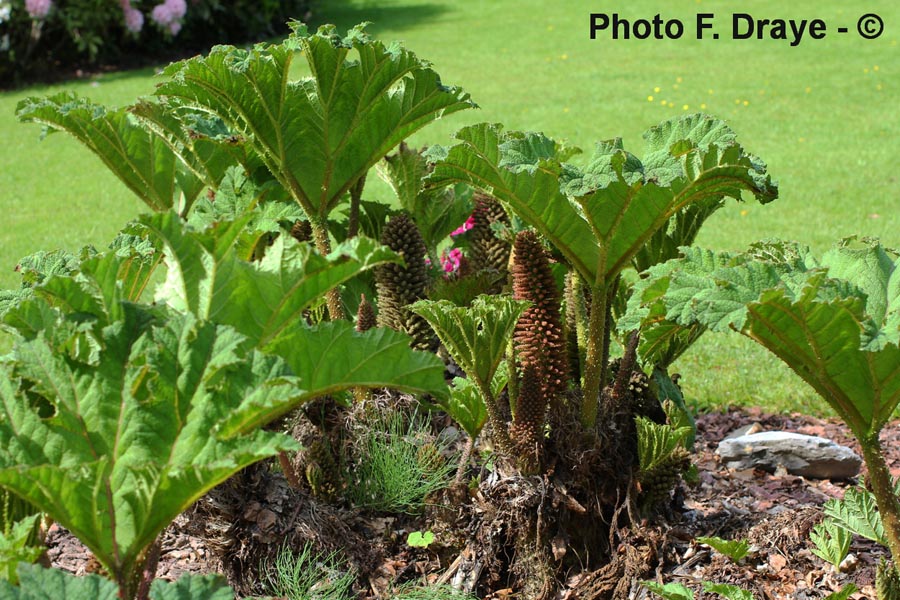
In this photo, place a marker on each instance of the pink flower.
(134, 19)
(452, 260)
(38, 9)
(168, 15)
(470, 222)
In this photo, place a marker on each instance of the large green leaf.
(39, 583)
(260, 299)
(136, 435)
(475, 336)
(599, 217)
(237, 196)
(664, 146)
(192, 587)
(822, 342)
(204, 144)
(265, 301)
(333, 357)
(872, 269)
(88, 296)
(141, 158)
(663, 312)
(533, 191)
(320, 134)
(831, 322)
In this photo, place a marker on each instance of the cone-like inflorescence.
(658, 482)
(365, 315)
(487, 251)
(638, 397)
(301, 231)
(400, 286)
(365, 320)
(539, 341)
(526, 430)
(322, 473)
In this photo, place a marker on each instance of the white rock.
(804, 455)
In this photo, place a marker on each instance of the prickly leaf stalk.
(576, 324)
(887, 581)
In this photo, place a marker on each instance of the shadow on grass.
(398, 17)
(84, 81)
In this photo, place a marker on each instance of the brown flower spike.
(487, 251)
(365, 315)
(398, 286)
(539, 341)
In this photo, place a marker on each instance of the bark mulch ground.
(774, 511)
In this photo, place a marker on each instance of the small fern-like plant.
(734, 550)
(678, 591)
(858, 514)
(831, 542)
(17, 545)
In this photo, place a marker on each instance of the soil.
(774, 511)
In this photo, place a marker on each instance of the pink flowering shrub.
(134, 19)
(470, 222)
(169, 14)
(38, 9)
(38, 36)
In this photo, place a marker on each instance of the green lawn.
(822, 114)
